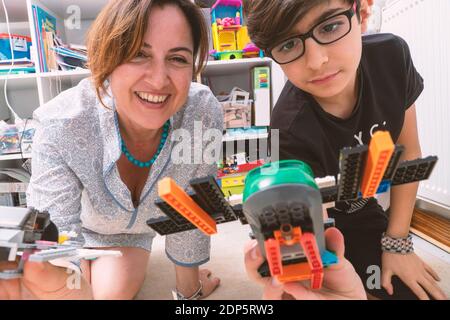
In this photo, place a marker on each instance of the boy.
(341, 89)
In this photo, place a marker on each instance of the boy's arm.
(403, 197)
(416, 274)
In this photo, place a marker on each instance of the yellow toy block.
(227, 40)
(242, 38)
(215, 33)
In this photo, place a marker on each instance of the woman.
(102, 146)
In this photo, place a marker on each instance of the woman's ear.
(365, 12)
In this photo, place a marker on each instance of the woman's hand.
(415, 273)
(340, 281)
(10, 289)
(42, 281)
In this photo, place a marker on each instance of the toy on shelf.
(282, 202)
(237, 109)
(262, 94)
(232, 167)
(30, 234)
(231, 177)
(16, 138)
(230, 36)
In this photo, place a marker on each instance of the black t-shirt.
(389, 84)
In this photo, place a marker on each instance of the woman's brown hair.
(271, 21)
(117, 36)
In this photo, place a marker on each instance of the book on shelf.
(69, 59)
(17, 70)
(22, 65)
(45, 27)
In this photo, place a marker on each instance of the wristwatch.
(397, 245)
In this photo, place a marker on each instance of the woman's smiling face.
(155, 84)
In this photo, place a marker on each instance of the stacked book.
(53, 53)
(70, 57)
(18, 66)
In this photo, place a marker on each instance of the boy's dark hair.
(269, 21)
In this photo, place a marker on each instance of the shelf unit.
(15, 156)
(246, 137)
(26, 92)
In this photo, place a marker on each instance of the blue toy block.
(328, 258)
(384, 186)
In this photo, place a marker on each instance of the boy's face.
(326, 71)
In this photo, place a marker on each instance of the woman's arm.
(54, 187)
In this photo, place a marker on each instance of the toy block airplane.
(282, 202)
(30, 234)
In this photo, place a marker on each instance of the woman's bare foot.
(209, 284)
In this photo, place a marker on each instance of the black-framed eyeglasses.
(327, 31)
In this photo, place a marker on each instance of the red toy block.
(311, 249)
(273, 256)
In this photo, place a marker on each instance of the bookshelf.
(28, 91)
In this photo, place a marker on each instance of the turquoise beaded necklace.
(149, 163)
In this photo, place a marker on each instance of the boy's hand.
(416, 274)
(340, 281)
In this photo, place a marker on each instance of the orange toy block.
(295, 272)
(380, 152)
(171, 193)
(295, 236)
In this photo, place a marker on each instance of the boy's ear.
(365, 12)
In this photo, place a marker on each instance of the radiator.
(424, 25)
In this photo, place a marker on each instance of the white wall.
(424, 25)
